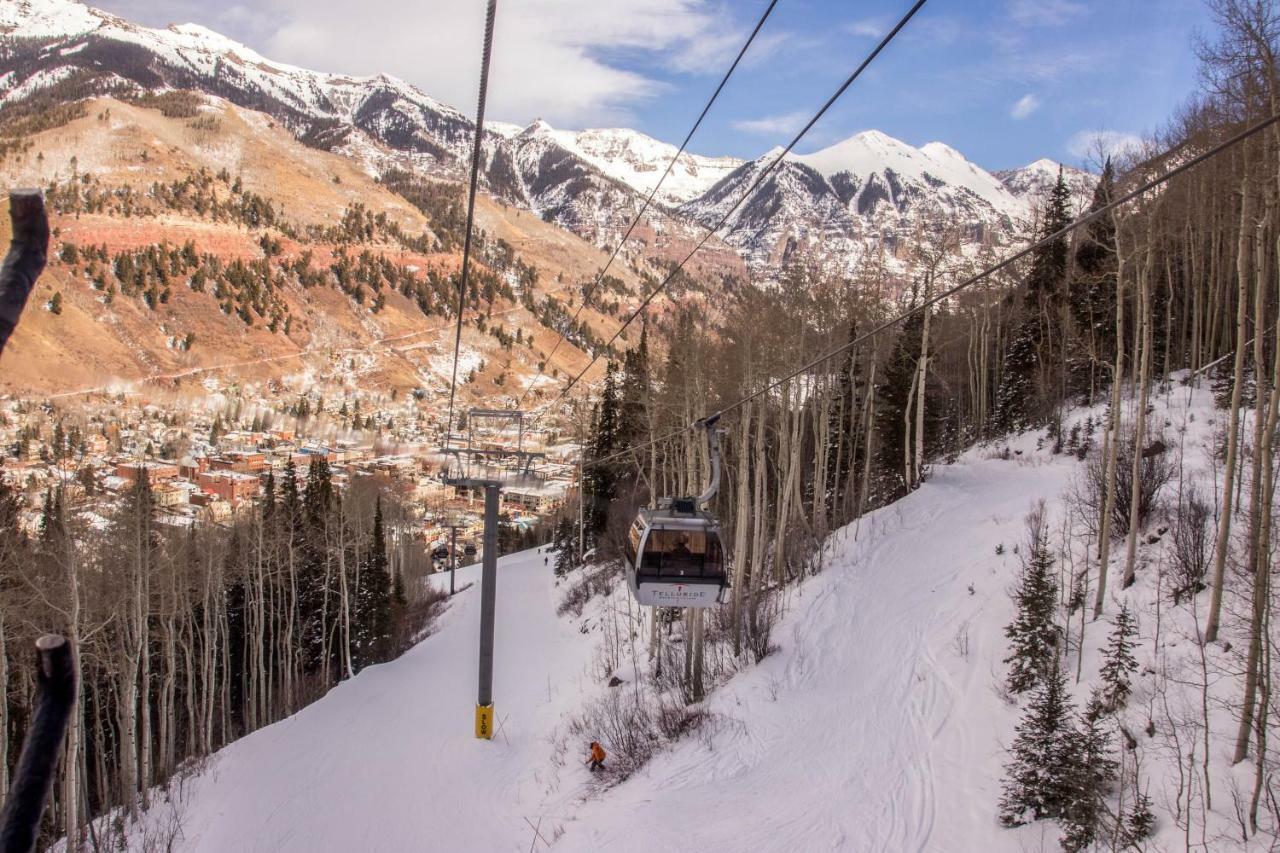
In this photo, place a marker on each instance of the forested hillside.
(1178, 285)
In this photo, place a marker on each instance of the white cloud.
(1115, 143)
(773, 125)
(1043, 13)
(1025, 106)
(552, 58)
(873, 28)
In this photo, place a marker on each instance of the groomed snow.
(865, 731)
(878, 724)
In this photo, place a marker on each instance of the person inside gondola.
(680, 558)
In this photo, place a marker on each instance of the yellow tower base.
(484, 721)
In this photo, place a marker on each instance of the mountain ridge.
(878, 189)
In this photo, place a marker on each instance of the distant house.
(169, 494)
(242, 461)
(191, 467)
(157, 470)
(231, 486)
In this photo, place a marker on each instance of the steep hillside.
(879, 721)
(869, 194)
(127, 179)
(57, 50)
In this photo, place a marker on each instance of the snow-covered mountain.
(639, 161)
(882, 170)
(866, 193)
(1033, 181)
(870, 193)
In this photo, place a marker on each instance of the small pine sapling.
(1033, 634)
(1119, 664)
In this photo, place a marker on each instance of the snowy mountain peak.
(906, 170)
(941, 151)
(45, 18)
(1034, 180)
(537, 127)
(640, 161)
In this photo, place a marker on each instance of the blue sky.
(1003, 81)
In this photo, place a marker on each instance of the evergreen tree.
(1093, 288)
(1035, 345)
(564, 542)
(11, 534)
(1049, 263)
(1119, 663)
(1139, 821)
(894, 393)
(317, 600)
(373, 598)
(49, 516)
(601, 479)
(1045, 756)
(841, 441)
(1092, 773)
(1033, 634)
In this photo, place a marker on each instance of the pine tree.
(1118, 661)
(1092, 290)
(1092, 773)
(1033, 635)
(1021, 400)
(894, 396)
(373, 598)
(1039, 776)
(602, 479)
(1139, 821)
(841, 442)
(566, 547)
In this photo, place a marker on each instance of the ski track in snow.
(388, 761)
(865, 731)
(864, 748)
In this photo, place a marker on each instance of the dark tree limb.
(28, 252)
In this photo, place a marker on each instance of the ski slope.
(874, 727)
(388, 760)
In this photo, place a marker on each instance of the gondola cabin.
(675, 557)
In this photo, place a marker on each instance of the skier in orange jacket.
(597, 756)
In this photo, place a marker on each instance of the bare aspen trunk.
(740, 528)
(1262, 511)
(1223, 543)
(906, 432)
(1143, 378)
(1111, 441)
(920, 384)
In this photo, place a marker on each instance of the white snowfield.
(877, 725)
(866, 731)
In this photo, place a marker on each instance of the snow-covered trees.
(1044, 757)
(1034, 633)
(564, 543)
(1034, 359)
(1119, 663)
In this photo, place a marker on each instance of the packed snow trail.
(876, 726)
(388, 761)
